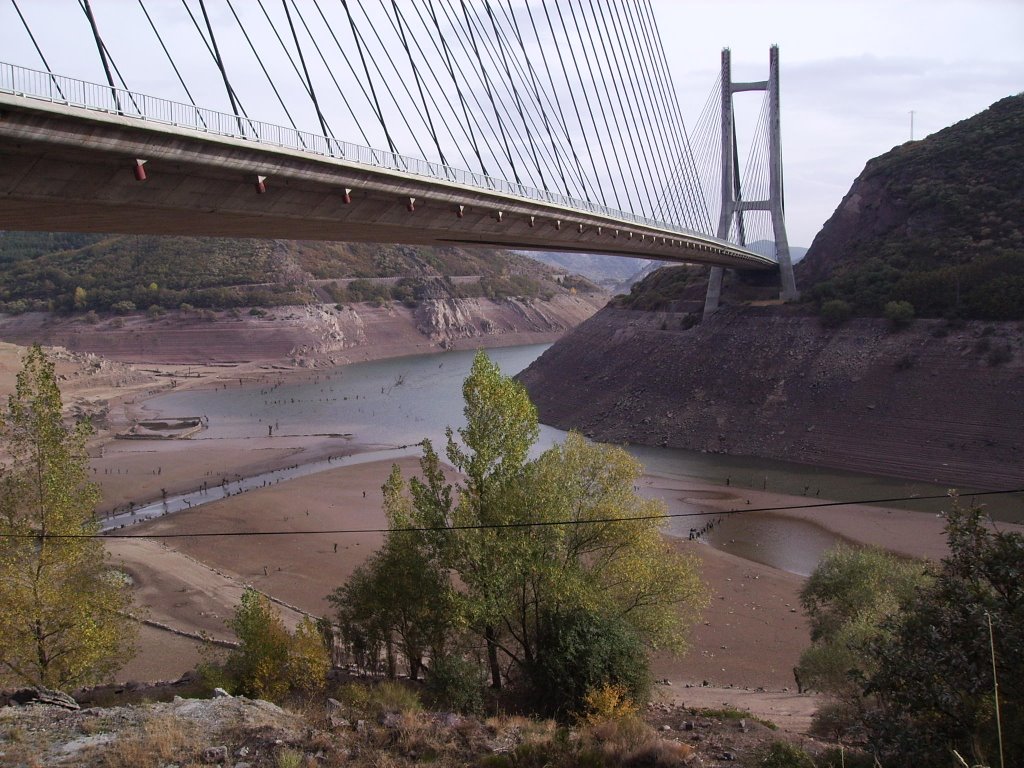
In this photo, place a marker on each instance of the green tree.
(399, 597)
(846, 599)
(270, 661)
(531, 542)
(63, 619)
(257, 668)
(79, 300)
(934, 665)
(501, 426)
(900, 314)
(834, 313)
(308, 658)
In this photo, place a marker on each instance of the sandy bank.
(751, 635)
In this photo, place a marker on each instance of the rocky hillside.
(938, 223)
(365, 728)
(311, 334)
(80, 273)
(933, 402)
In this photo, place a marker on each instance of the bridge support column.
(714, 293)
(776, 201)
(733, 202)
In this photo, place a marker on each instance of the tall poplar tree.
(556, 563)
(63, 616)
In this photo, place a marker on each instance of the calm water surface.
(396, 403)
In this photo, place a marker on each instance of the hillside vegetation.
(76, 272)
(938, 223)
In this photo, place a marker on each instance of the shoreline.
(229, 460)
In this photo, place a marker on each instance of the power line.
(508, 526)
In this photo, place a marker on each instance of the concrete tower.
(733, 202)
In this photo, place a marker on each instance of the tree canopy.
(63, 619)
(935, 661)
(846, 599)
(555, 565)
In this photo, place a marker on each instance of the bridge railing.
(32, 83)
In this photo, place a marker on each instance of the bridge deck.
(67, 167)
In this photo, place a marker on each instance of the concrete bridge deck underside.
(70, 169)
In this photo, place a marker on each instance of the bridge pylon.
(733, 202)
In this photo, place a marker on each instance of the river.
(400, 401)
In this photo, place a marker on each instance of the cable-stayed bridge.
(548, 125)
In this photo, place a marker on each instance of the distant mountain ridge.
(612, 272)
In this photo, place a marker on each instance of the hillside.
(314, 334)
(938, 223)
(69, 272)
(931, 402)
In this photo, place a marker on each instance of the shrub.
(580, 651)
(123, 307)
(270, 661)
(834, 313)
(608, 702)
(308, 658)
(455, 683)
(373, 701)
(848, 595)
(840, 757)
(900, 314)
(836, 719)
(782, 754)
(627, 741)
(257, 667)
(157, 742)
(933, 667)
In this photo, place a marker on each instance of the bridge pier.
(733, 202)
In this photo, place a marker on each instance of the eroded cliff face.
(928, 402)
(310, 334)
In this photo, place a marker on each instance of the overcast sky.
(851, 72)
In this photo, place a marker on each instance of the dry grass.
(154, 744)
(630, 741)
